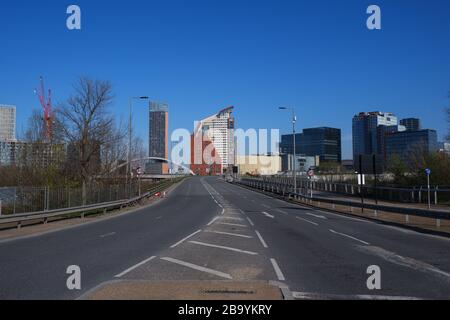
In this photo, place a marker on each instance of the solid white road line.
(316, 224)
(320, 296)
(277, 269)
(224, 248)
(233, 224)
(134, 267)
(350, 237)
(230, 234)
(406, 261)
(281, 211)
(268, 215)
(183, 240)
(213, 220)
(251, 222)
(198, 268)
(261, 239)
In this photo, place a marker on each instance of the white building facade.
(219, 128)
(7, 123)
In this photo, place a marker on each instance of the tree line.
(87, 142)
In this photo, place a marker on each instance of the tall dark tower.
(158, 137)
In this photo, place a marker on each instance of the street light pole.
(428, 173)
(130, 136)
(294, 121)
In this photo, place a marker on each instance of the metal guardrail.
(82, 211)
(284, 191)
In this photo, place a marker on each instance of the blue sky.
(256, 55)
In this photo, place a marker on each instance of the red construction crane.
(47, 111)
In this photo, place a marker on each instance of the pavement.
(213, 240)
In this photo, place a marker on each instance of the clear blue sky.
(200, 56)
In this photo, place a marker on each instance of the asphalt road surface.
(207, 229)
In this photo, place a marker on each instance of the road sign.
(361, 179)
(428, 172)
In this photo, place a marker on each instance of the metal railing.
(285, 190)
(419, 194)
(17, 200)
(83, 211)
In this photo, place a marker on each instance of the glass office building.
(323, 142)
(366, 134)
(410, 146)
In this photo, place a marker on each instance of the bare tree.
(448, 120)
(34, 131)
(88, 127)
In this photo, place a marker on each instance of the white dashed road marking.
(316, 224)
(268, 215)
(350, 237)
(262, 240)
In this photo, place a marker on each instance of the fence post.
(15, 196)
(45, 198)
(436, 195)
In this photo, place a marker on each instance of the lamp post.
(130, 133)
(294, 121)
(428, 173)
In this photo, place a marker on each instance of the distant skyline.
(200, 56)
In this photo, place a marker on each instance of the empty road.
(207, 229)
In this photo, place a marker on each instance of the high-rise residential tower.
(219, 130)
(7, 123)
(158, 138)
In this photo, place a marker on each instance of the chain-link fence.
(17, 200)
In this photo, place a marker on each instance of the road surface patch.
(186, 291)
(233, 224)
